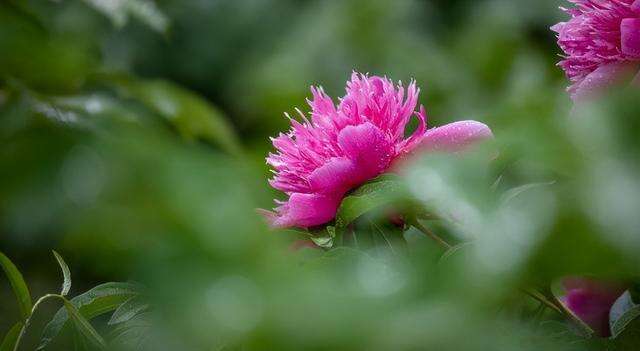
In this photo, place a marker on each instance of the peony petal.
(306, 210)
(407, 145)
(591, 300)
(636, 6)
(601, 78)
(455, 136)
(367, 146)
(335, 177)
(630, 29)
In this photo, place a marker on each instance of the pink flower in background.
(343, 146)
(601, 43)
(591, 300)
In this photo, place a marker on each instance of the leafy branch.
(78, 311)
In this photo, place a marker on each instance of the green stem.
(23, 330)
(543, 300)
(426, 231)
(554, 303)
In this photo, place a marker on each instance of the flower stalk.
(428, 232)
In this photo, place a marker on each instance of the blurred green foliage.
(133, 136)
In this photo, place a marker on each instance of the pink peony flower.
(601, 43)
(591, 300)
(343, 146)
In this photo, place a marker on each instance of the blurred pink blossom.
(343, 146)
(601, 43)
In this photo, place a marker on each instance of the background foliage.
(133, 136)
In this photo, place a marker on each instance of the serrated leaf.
(622, 313)
(384, 190)
(66, 274)
(84, 327)
(10, 339)
(101, 299)
(128, 310)
(18, 285)
(190, 114)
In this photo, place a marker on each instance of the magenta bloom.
(601, 43)
(591, 300)
(342, 146)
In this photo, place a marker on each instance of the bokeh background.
(133, 136)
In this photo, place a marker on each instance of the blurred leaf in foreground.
(191, 115)
(146, 11)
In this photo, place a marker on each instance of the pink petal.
(630, 29)
(306, 210)
(335, 177)
(367, 146)
(636, 6)
(455, 136)
(600, 79)
(407, 145)
(591, 300)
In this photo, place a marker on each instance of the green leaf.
(324, 238)
(18, 285)
(101, 299)
(190, 114)
(54, 62)
(339, 256)
(84, 327)
(66, 274)
(563, 332)
(382, 191)
(625, 325)
(9, 341)
(145, 11)
(323, 241)
(387, 237)
(90, 106)
(132, 334)
(128, 310)
(622, 313)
